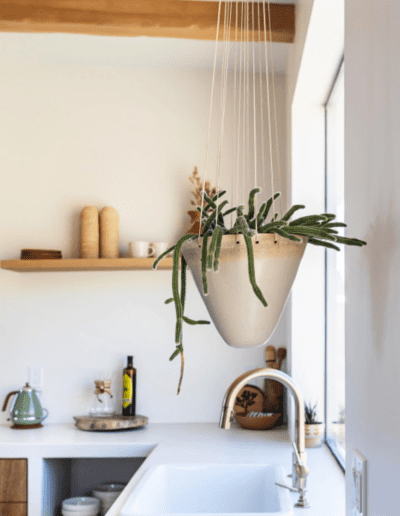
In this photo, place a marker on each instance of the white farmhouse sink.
(210, 489)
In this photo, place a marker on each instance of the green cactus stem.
(292, 210)
(175, 285)
(163, 255)
(252, 197)
(315, 241)
(269, 204)
(217, 253)
(310, 219)
(252, 275)
(192, 322)
(204, 264)
(282, 233)
(213, 246)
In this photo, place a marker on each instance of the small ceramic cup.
(159, 248)
(141, 249)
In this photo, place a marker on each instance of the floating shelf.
(85, 264)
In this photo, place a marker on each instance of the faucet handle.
(296, 451)
(301, 469)
(302, 501)
(293, 489)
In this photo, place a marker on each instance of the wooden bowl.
(257, 423)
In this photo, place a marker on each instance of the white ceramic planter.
(239, 316)
(314, 435)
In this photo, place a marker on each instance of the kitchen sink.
(210, 489)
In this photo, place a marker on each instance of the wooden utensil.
(281, 354)
(270, 355)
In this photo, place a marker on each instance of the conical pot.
(239, 316)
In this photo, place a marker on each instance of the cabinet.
(13, 487)
(13, 509)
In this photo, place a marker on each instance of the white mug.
(141, 249)
(159, 248)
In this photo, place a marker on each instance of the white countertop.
(175, 443)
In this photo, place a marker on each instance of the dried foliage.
(197, 182)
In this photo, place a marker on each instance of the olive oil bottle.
(129, 389)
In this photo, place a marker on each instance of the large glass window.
(335, 274)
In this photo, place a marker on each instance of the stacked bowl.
(81, 506)
(107, 494)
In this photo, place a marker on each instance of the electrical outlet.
(36, 378)
(359, 484)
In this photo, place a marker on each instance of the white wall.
(372, 55)
(127, 137)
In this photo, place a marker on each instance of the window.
(335, 274)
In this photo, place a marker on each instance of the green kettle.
(26, 410)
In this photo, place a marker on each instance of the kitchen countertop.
(175, 443)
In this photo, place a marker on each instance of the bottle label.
(127, 399)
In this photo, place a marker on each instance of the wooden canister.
(89, 232)
(109, 233)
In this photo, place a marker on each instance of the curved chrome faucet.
(300, 469)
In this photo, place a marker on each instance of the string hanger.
(246, 26)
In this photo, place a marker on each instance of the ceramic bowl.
(81, 506)
(84, 512)
(107, 494)
(257, 423)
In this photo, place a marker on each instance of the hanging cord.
(261, 90)
(241, 83)
(210, 114)
(275, 117)
(245, 171)
(235, 150)
(244, 134)
(269, 112)
(254, 117)
(224, 87)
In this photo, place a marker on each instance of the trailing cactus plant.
(320, 230)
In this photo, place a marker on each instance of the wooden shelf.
(85, 264)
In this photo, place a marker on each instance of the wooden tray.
(110, 423)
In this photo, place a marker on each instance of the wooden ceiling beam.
(154, 18)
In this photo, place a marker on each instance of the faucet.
(299, 457)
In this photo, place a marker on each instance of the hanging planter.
(240, 318)
(230, 264)
(244, 272)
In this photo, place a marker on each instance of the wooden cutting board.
(249, 399)
(110, 423)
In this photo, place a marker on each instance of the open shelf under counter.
(85, 264)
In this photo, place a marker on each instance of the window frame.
(331, 443)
